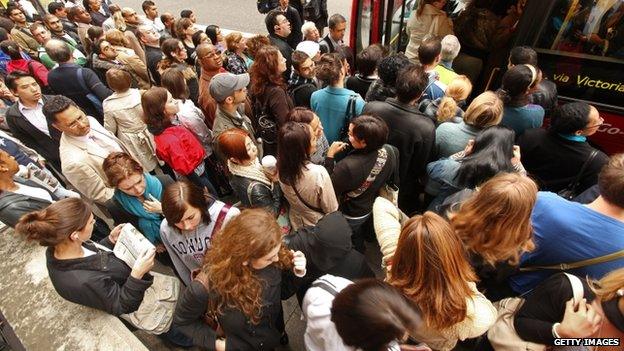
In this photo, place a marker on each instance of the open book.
(130, 244)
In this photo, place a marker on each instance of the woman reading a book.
(85, 272)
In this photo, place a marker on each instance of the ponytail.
(446, 110)
(55, 223)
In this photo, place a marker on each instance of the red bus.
(585, 70)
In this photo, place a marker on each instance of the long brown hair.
(431, 268)
(153, 102)
(55, 223)
(496, 222)
(264, 70)
(248, 236)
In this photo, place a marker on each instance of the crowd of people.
(264, 167)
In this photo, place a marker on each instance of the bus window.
(581, 47)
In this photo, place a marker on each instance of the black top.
(240, 333)
(352, 171)
(295, 24)
(493, 278)
(24, 131)
(302, 93)
(101, 281)
(189, 54)
(555, 161)
(414, 135)
(359, 84)
(153, 55)
(64, 78)
(286, 50)
(545, 306)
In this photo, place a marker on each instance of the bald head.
(209, 57)
(130, 16)
(58, 50)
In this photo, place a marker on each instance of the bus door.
(580, 45)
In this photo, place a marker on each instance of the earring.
(620, 292)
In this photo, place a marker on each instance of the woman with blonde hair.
(237, 62)
(430, 267)
(427, 19)
(127, 57)
(240, 286)
(495, 227)
(449, 107)
(484, 111)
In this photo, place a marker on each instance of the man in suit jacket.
(83, 147)
(27, 121)
(279, 30)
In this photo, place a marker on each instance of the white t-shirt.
(33, 192)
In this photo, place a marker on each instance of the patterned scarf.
(253, 171)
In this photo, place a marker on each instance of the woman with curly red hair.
(245, 275)
(268, 93)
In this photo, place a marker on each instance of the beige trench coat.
(123, 116)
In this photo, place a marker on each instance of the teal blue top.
(330, 104)
(522, 118)
(149, 223)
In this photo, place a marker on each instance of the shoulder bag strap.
(574, 265)
(220, 218)
(81, 80)
(380, 162)
(577, 287)
(313, 208)
(325, 285)
(577, 179)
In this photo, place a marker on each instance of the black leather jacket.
(253, 193)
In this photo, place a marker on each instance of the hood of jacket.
(326, 244)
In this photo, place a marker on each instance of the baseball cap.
(309, 47)
(225, 84)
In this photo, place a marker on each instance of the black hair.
(429, 50)
(271, 20)
(53, 7)
(96, 47)
(186, 13)
(516, 82)
(523, 55)
(410, 84)
(211, 32)
(491, 154)
(86, 5)
(367, 60)
(390, 66)
(373, 130)
(11, 49)
(293, 151)
(196, 37)
(12, 78)
(568, 118)
(4, 34)
(55, 105)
